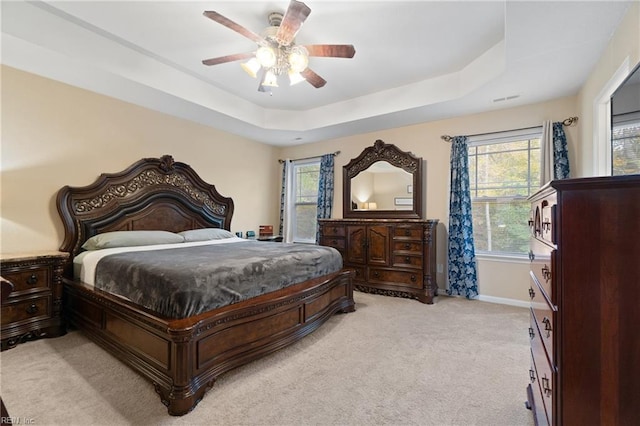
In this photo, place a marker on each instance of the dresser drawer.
(546, 373)
(333, 230)
(407, 246)
(407, 261)
(408, 232)
(542, 266)
(28, 280)
(538, 407)
(28, 309)
(337, 243)
(545, 316)
(542, 220)
(382, 276)
(360, 274)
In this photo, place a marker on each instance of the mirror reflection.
(382, 186)
(625, 126)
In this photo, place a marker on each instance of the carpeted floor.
(392, 362)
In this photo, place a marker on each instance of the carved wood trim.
(122, 200)
(390, 153)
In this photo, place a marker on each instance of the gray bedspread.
(178, 283)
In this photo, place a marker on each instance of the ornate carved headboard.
(152, 194)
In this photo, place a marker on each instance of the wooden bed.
(181, 357)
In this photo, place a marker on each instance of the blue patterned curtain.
(461, 262)
(560, 153)
(283, 194)
(325, 190)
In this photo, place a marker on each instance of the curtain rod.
(566, 122)
(308, 158)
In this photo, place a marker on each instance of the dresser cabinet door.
(356, 244)
(378, 245)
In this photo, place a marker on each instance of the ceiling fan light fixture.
(252, 66)
(295, 77)
(266, 56)
(270, 79)
(298, 59)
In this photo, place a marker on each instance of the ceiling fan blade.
(293, 19)
(215, 16)
(228, 58)
(331, 50)
(314, 79)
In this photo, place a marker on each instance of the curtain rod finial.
(569, 121)
(446, 138)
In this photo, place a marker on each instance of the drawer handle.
(532, 256)
(32, 280)
(407, 246)
(532, 293)
(547, 326)
(532, 333)
(407, 232)
(545, 386)
(413, 278)
(334, 242)
(407, 259)
(335, 230)
(357, 272)
(376, 274)
(546, 273)
(32, 309)
(532, 375)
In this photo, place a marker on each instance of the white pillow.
(131, 239)
(205, 234)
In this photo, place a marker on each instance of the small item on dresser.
(265, 230)
(239, 234)
(251, 234)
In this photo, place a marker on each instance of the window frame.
(293, 203)
(495, 138)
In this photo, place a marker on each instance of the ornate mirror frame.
(381, 151)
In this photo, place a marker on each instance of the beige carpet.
(393, 361)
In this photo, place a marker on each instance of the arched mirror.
(383, 182)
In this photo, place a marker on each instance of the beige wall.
(621, 55)
(497, 279)
(55, 135)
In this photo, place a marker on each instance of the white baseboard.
(504, 301)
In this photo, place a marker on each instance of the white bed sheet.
(84, 264)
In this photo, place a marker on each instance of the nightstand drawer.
(26, 310)
(26, 281)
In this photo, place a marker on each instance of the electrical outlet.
(440, 268)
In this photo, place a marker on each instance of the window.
(625, 144)
(504, 169)
(304, 205)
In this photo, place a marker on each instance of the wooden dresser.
(33, 309)
(585, 302)
(394, 257)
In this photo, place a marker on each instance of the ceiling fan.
(277, 53)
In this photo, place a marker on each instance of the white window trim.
(602, 121)
(534, 132)
(291, 204)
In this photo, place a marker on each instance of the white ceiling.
(415, 61)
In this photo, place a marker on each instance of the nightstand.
(33, 309)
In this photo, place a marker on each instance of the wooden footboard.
(183, 358)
